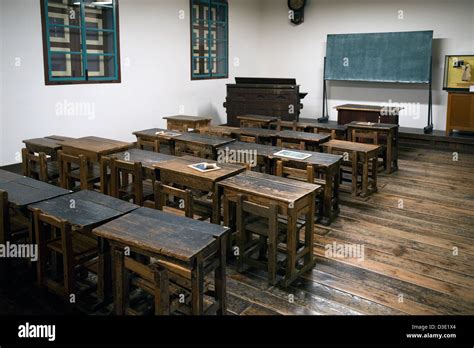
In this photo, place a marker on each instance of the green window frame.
(209, 39)
(80, 41)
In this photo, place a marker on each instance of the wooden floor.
(418, 238)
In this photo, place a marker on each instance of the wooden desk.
(17, 192)
(182, 241)
(358, 155)
(219, 131)
(183, 123)
(245, 153)
(260, 135)
(367, 113)
(147, 158)
(306, 141)
(6, 176)
(258, 121)
(327, 169)
(47, 145)
(85, 210)
(93, 147)
(293, 198)
(178, 172)
(199, 145)
(387, 134)
(337, 131)
(149, 137)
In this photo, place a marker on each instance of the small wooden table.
(367, 113)
(357, 153)
(338, 132)
(152, 137)
(327, 168)
(182, 241)
(293, 198)
(386, 134)
(85, 210)
(178, 172)
(199, 145)
(306, 141)
(258, 121)
(93, 147)
(257, 135)
(183, 123)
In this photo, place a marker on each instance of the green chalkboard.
(403, 57)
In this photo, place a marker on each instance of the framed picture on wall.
(458, 73)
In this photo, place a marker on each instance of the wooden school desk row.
(89, 230)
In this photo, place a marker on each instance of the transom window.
(209, 39)
(80, 39)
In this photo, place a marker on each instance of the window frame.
(54, 81)
(210, 76)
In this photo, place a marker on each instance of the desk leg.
(365, 176)
(328, 190)
(309, 230)
(389, 152)
(291, 244)
(220, 278)
(104, 276)
(197, 286)
(355, 172)
(216, 205)
(375, 163)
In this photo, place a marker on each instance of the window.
(80, 41)
(209, 39)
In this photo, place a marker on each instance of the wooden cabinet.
(280, 98)
(460, 112)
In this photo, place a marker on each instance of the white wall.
(155, 83)
(300, 50)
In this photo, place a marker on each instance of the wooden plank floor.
(418, 238)
(410, 230)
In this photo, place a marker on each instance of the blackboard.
(402, 57)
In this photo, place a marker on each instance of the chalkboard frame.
(362, 51)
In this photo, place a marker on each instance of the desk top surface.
(96, 145)
(372, 125)
(269, 186)
(162, 233)
(146, 158)
(369, 108)
(180, 166)
(304, 136)
(85, 209)
(203, 139)
(350, 146)
(23, 191)
(187, 118)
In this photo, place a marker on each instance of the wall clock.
(297, 8)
